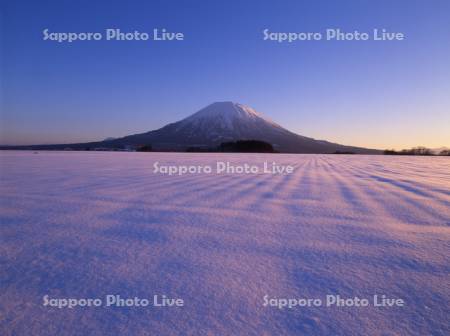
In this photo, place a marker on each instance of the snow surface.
(87, 224)
(228, 113)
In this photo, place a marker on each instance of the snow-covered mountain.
(228, 121)
(224, 121)
(217, 123)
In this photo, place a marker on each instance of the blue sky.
(390, 94)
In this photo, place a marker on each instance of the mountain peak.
(227, 112)
(225, 121)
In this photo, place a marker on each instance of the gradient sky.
(392, 94)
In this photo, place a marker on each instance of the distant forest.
(240, 146)
(417, 151)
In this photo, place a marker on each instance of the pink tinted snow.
(88, 224)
